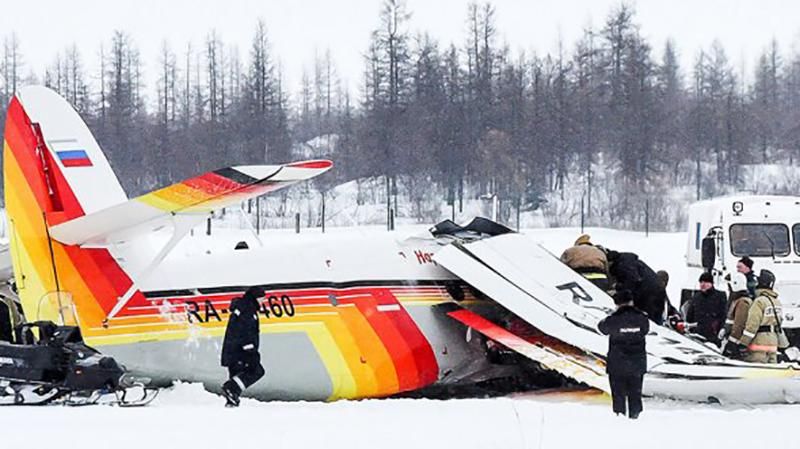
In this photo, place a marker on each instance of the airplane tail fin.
(66, 208)
(53, 172)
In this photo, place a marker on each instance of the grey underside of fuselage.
(294, 369)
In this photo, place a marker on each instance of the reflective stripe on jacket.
(765, 311)
(737, 317)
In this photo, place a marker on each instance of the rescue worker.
(588, 260)
(240, 346)
(745, 266)
(626, 363)
(10, 318)
(632, 274)
(705, 314)
(738, 307)
(673, 314)
(762, 332)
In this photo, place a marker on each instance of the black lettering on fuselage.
(193, 312)
(211, 311)
(578, 293)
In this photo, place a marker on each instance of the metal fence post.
(582, 214)
(258, 215)
(323, 212)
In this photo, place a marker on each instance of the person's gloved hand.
(734, 350)
(730, 349)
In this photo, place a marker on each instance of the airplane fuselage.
(343, 317)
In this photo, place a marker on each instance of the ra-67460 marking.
(272, 307)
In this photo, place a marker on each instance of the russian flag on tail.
(74, 158)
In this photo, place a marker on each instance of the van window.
(697, 237)
(759, 240)
(796, 238)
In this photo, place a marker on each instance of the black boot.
(231, 391)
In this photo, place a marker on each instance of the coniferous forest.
(450, 119)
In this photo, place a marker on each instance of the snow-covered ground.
(187, 416)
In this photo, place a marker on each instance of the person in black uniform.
(240, 347)
(626, 363)
(632, 274)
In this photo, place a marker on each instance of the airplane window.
(759, 240)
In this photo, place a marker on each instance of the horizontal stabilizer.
(590, 372)
(196, 196)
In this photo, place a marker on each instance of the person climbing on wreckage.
(632, 274)
(588, 260)
(240, 346)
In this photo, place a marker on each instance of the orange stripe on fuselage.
(372, 347)
(393, 339)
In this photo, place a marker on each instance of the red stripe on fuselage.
(398, 346)
(415, 362)
(425, 360)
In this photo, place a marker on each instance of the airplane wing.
(196, 196)
(532, 283)
(529, 281)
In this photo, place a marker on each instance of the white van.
(766, 228)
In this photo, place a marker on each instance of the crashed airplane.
(368, 317)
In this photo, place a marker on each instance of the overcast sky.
(298, 28)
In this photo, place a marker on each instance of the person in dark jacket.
(673, 314)
(745, 266)
(6, 328)
(11, 316)
(240, 346)
(630, 273)
(626, 363)
(706, 311)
